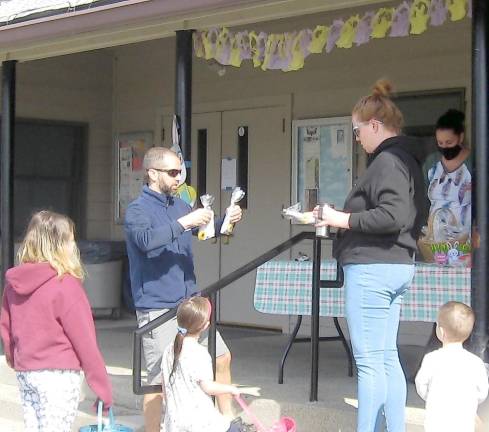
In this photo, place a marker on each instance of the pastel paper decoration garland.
(288, 51)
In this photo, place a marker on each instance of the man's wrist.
(183, 222)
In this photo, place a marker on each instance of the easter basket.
(108, 426)
(442, 243)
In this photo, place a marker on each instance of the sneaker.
(248, 427)
(244, 427)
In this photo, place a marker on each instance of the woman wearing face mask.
(450, 182)
(378, 229)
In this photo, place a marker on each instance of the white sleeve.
(482, 382)
(201, 369)
(423, 377)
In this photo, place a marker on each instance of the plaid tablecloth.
(284, 287)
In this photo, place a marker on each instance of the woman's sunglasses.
(356, 128)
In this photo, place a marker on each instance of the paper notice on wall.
(125, 164)
(131, 147)
(311, 150)
(312, 135)
(311, 178)
(228, 173)
(339, 148)
(125, 154)
(125, 174)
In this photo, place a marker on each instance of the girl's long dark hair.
(192, 317)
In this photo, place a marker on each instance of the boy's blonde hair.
(50, 238)
(457, 320)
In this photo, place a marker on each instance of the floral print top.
(453, 191)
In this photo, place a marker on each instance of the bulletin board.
(322, 161)
(130, 150)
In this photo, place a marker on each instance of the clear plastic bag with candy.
(207, 231)
(295, 214)
(237, 195)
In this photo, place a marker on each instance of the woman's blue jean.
(373, 304)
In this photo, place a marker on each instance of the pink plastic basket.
(285, 424)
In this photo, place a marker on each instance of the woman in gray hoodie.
(378, 229)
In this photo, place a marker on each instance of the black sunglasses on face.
(170, 172)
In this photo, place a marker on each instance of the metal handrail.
(208, 291)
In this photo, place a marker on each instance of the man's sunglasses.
(171, 172)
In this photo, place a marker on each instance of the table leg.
(345, 345)
(287, 349)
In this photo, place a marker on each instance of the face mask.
(450, 153)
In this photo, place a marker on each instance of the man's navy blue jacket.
(159, 250)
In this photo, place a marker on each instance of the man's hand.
(197, 218)
(235, 213)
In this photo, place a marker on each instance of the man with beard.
(158, 227)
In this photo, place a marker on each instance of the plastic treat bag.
(227, 227)
(294, 213)
(207, 231)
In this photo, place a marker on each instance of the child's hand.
(479, 426)
(253, 391)
(105, 408)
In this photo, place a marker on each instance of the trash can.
(103, 283)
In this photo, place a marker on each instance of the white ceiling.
(14, 9)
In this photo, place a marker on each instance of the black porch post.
(315, 305)
(480, 269)
(7, 165)
(183, 92)
(183, 110)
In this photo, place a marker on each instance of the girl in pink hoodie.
(47, 327)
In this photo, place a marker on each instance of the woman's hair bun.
(452, 119)
(455, 115)
(382, 87)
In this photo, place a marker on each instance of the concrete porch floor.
(255, 359)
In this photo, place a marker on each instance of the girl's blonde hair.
(50, 238)
(193, 315)
(379, 106)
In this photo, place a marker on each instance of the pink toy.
(285, 424)
(440, 258)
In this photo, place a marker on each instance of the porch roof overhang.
(133, 21)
